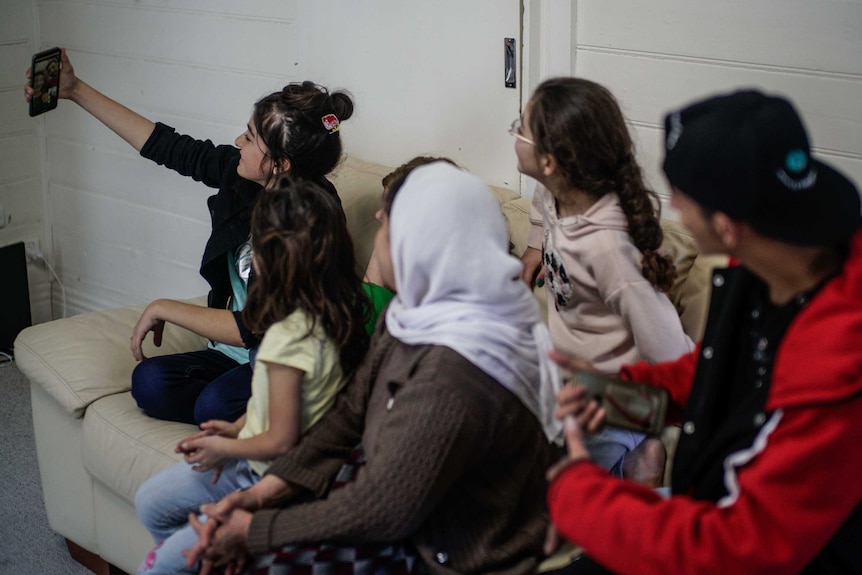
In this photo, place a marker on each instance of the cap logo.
(796, 162)
(675, 131)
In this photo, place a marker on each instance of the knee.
(146, 383)
(645, 465)
(145, 499)
(211, 406)
(225, 398)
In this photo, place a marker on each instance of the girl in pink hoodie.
(594, 241)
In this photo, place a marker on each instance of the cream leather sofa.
(95, 447)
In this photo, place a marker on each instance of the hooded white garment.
(457, 285)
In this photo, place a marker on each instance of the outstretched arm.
(129, 125)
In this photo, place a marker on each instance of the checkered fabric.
(338, 559)
(335, 559)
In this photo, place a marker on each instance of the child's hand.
(150, 321)
(221, 428)
(533, 273)
(205, 453)
(572, 401)
(183, 445)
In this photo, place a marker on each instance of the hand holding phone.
(627, 404)
(44, 81)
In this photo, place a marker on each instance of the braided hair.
(581, 125)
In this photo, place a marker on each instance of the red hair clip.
(331, 123)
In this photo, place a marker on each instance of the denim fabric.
(165, 500)
(609, 447)
(192, 387)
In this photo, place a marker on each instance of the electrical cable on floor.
(9, 359)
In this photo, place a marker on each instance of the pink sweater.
(600, 307)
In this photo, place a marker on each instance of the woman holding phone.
(291, 133)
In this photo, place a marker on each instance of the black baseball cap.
(747, 154)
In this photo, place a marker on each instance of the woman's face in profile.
(383, 252)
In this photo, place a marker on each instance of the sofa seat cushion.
(80, 359)
(122, 447)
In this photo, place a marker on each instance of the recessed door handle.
(509, 70)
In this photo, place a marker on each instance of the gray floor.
(27, 544)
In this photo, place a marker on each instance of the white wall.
(125, 231)
(20, 169)
(121, 230)
(659, 54)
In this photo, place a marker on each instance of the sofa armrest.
(83, 358)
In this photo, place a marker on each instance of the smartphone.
(628, 404)
(45, 81)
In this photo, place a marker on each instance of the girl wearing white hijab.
(449, 406)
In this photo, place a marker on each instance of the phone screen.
(45, 81)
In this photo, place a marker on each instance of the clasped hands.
(222, 534)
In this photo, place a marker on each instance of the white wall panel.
(175, 238)
(801, 34)
(22, 201)
(132, 273)
(13, 108)
(427, 77)
(647, 88)
(20, 155)
(262, 9)
(131, 179)
(170, 34)
(658, 55)
(17, 21)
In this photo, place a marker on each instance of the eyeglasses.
(517, 129)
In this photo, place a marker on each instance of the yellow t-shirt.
(289, 343)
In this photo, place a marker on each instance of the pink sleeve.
(789, 501)
(537, 219)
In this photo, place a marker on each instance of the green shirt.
(380, 298)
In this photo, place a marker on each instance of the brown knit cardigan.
(455, 464)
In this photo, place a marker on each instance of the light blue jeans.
(609, 447)
(165, 500)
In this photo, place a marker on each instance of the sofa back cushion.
(359, 185)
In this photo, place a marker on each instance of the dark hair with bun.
(290, 123)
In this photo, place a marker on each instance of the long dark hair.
(580, 124)
(291, 125)
(305, 261)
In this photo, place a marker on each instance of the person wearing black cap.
(766, 477)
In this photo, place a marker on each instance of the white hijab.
(458, 286)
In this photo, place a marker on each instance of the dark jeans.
(192, 387)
